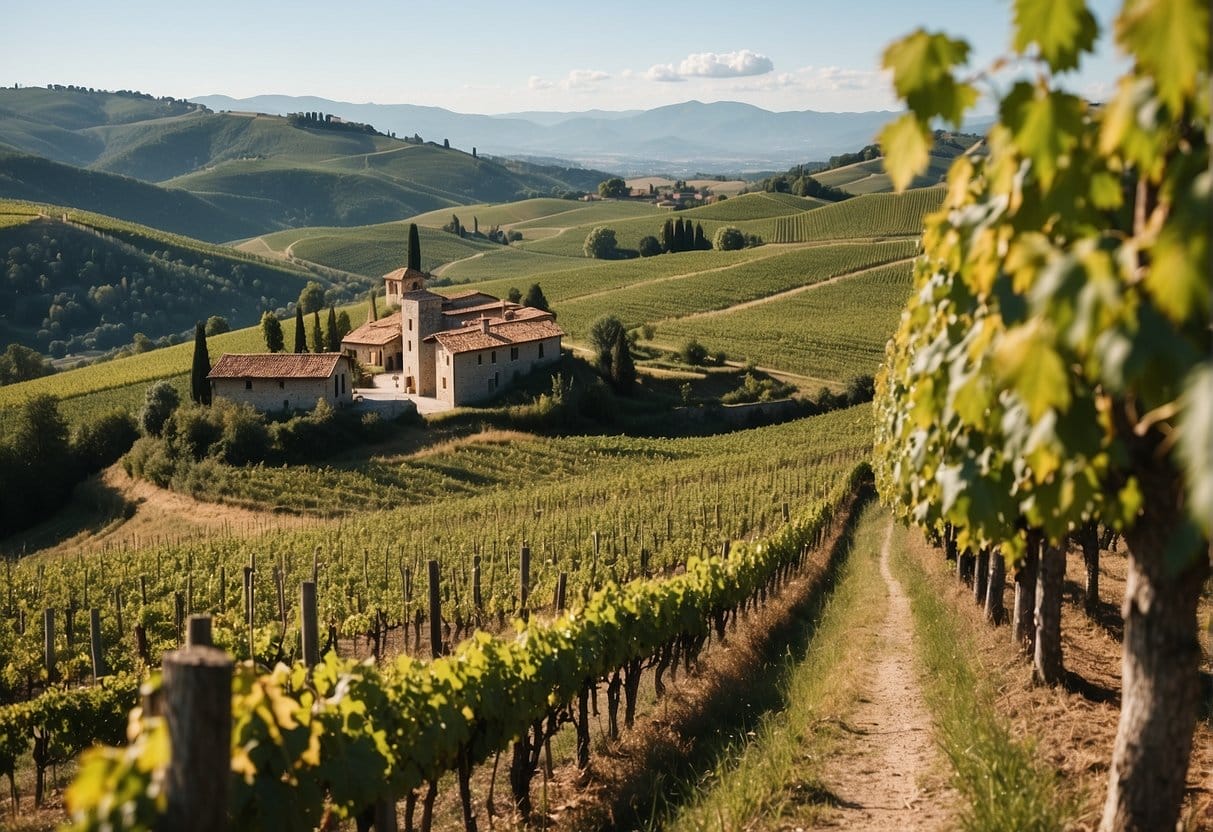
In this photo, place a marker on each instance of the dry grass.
(1072, 728)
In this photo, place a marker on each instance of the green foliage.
(872, 215)
(318, 343)
(37, 468)
(614, 188)
(100, 441)
(271, 331)
(414, 252)
(311, 297)
(159, 403)
(754, 389)
(623, 370)
(217, 325)
(728, 239)
(411, 721)
(535, 298)
(603, 334)
(649, 246)
(332, 334)
(694, 353)
(200, 385)
(300, 331)
(601, 244)
(514, 295)
(19, 363)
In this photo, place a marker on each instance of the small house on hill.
(284, 381)
(376, 343)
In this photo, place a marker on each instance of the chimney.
(484, 325)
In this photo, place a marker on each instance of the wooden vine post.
(309, 624)
(48, 643)
(524, 578)
(197, 708)
(96, 648)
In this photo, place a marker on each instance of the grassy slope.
(833, 332)
(25, 177)
(874, 215)
(372, 250)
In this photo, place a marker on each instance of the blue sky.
(493, 57)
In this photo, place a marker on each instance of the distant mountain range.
(721, 137)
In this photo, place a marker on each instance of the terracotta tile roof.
(470, 298)
(494, 306)
(420, 294)
(500, 334)
(276, 365)
(376, 333)
(405, 273)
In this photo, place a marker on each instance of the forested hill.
(259, 173)
(76, 282)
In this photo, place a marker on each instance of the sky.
(491, 57)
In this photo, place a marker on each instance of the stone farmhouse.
(284, 380)
(460, 350)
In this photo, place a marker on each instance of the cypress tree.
(332, 339)
(667, 235)
(374, 313)
(680, 235)
(317, 335)
(200, 386)
(535, 299)
(701, 242)
(623, 370)
(414, 261)
(300, 332)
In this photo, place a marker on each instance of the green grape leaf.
(1034, 368)
(907, 144)
(922, 65)
(1170, 39)
(1061, 29)
(1195, 445)
(1046, 124)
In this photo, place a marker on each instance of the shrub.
(694, 353)
(601, 244)
(159, 402)
(728, 238)
(649, 246)
(100, 442)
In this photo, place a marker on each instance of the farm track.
(884, 775)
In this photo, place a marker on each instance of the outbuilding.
(284, 380)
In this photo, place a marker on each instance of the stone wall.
(470, 377)
(269, 395)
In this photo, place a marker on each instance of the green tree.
(667, 235)
(514, 295)
(728, 238)
(344, 327)
(101, 440)
(317, 334)
(19, 363)
(271, 331)
(332, 335)
(159, 402)
(311, 299)
(701, 241)
(217, 325)
(373, 311)
(1053, 363)
(200, 385)
(649, 246)
(604, 331)
(535, 299)
(414, 256)
(300, 332)
(623, 370)
(600, 244)
(613, 188)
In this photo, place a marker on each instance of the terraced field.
(647, 301)
(873, 215)
(753, 207)
(836, 331)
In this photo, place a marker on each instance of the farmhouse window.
(281, 385)
(248, 384)
(479, 358)
(343, 384)
(335, 383)
(444, 382)
(513, 353)
(493, 356)
(541, 349)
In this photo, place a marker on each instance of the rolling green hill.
(80, 282)
(257, 173)
(871, 215)
(35, 179)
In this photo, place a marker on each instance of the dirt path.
(888, 776)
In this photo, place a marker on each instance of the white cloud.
(726, 64)
(663, 72)
(582, 78)
(537, 83)
(742, 64)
